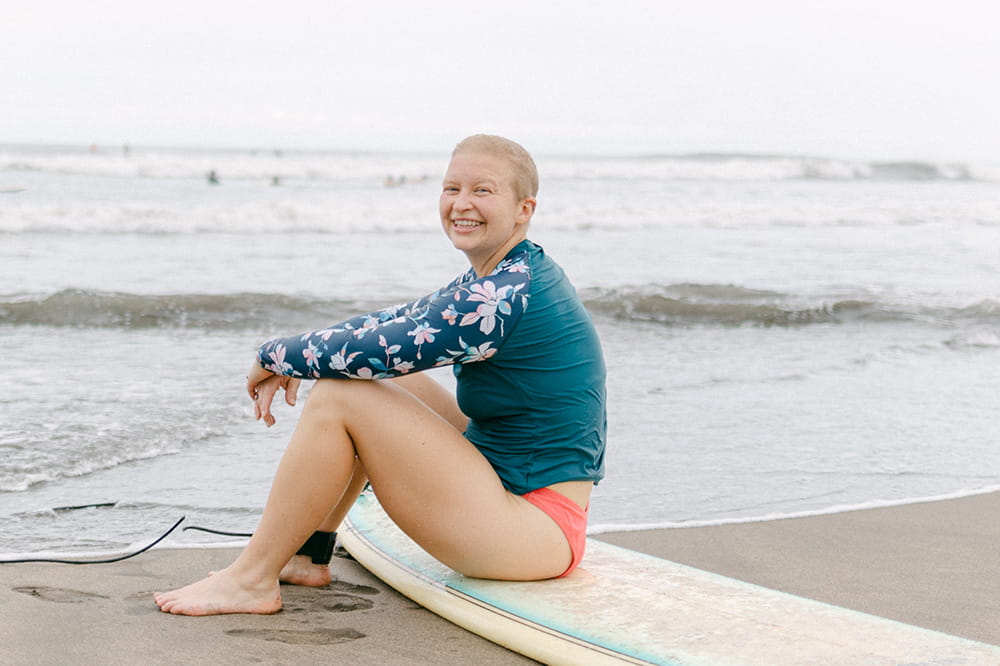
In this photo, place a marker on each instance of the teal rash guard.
(526, 357)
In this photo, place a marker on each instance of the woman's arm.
(465, 322)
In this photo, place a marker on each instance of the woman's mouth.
(466, 225)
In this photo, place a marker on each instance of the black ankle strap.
(319, 547)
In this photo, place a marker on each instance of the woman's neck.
(488, 264)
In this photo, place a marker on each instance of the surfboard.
(624, 607)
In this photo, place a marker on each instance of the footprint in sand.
(295, 637)
(344, 603)
(337, 597)
(351, 588)
(336, 602)
(58, 594)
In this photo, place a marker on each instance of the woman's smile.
(465, 225)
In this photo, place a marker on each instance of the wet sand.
(104, 614)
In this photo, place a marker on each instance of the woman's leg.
(301, 570)
(311, 478)
(439, 489)
(434, 484)
(435, 396)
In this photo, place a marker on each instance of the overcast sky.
(845, 78)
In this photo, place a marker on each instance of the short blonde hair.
(524, 171)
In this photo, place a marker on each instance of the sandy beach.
(104, 614)
(931, 564)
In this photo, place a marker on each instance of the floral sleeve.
(464, 322)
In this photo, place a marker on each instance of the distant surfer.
(494, 482)
(213, 178)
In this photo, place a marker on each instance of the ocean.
(785, 335)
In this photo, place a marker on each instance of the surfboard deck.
(624, 607)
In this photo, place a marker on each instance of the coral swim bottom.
(570, 518)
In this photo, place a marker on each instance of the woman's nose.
(463, 201)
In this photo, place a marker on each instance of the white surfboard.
(623, 607)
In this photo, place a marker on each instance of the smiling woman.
(521, 443)
(487, 200)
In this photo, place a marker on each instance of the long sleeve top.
(527, 360)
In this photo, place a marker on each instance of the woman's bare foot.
(221, 593)
(301, 570)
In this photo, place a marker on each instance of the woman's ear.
(526, 208)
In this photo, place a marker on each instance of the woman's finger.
(264, 397)
(292, 390)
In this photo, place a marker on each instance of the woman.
(494, 482)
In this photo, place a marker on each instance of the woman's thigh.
(435, 396)
(437, 486)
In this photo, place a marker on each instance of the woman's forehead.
(478, 165)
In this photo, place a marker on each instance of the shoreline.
(929, 564)
(597, 530)
(594, 531)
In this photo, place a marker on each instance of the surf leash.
(101, 561)
(320, 547)
(220, 532)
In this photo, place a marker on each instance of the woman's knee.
(328, 398)
(342, 398)
(331, 388)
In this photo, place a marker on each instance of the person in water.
(494, 481)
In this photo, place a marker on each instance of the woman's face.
(480, 211)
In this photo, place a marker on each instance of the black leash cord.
(107, 561)
(211, 531)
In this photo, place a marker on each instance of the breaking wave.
(95, 309)
(731, 305)
(668, 305)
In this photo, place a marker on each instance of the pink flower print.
(424, 333)
(492, 301)
(450, 314)
(339, 361)
(389, 349)
(487, 292)
(312, 354)
(392, 312)
(401, 366)
(278, 364)
(485, 350)
(369, 324)
(485, 314)
(517, 267)
(471, 352)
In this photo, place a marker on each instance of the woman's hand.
(262, 385)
